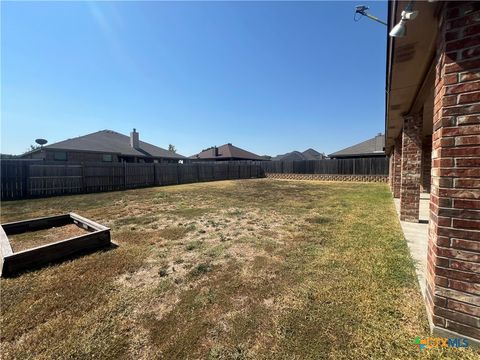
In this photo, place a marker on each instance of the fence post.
(125, 175)
(154, 175)
(25, 179)
(84, 185)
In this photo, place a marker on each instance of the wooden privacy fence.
(22, 179)
(358, 166)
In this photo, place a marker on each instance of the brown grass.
(250, 269)
(31, 239)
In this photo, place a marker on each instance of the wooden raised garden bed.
(48, 246)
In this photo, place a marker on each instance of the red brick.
(465, 266)
(441, 281)
(468, 140)
(448, 162)
(457, 274)
(457, 233)
(463, 21)
(463, 307)
(458, 254)
(450, 58)
(468, 287)
(458, 317)
(450, 101)
(471, 30)
(446, 142)
(467, 162)
(467, 76)
(468, 98)
(463, 329)
(459, 213)
(454, 230)
(451, 79)
(461, 110)
(466, 204)
(438, 320)
(465, 120)
(464, 42)
(460, 193)
(444, 202)
(470, 53)
(443, 241)
(462, 88)
(469, 172)
(466, 224)
(462, 66)
(466, 244)
(467, 183)
(460, 152)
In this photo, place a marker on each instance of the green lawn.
(247, 269)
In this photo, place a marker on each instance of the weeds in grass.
(201, 269)
(310, 270)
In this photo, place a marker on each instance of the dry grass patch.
(248, 269)
(32, 239)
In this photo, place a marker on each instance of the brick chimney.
(379, 143)
(134, 139)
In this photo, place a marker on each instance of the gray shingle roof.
(369, 147)
(226, 151)
(108, 141)
(309, 154)
(312, 154)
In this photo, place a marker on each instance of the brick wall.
(411, 164)
(397, 166)
(453, 274)
(426, 164)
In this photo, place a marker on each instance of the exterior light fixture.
(398, 30)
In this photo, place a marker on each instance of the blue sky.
(270, 77)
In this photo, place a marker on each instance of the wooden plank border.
(15, 262)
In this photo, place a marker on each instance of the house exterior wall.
(453, 274)
(86, 156)
(80, 156)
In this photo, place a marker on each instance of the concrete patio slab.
(416, 235)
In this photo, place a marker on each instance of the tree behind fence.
(26, 178)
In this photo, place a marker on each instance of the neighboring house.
(432, 130)
(226, 152)
(106, 146)
(309, 154)
(370, 148)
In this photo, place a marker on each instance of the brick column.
(453, 272)
(390, 171)
(426, 164)
(397, 166)
(411, 166)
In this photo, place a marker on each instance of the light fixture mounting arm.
(362, 10)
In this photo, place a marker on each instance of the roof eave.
(392, 7)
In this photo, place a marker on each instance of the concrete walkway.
(416, 235)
